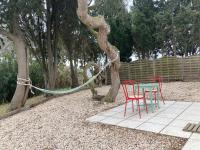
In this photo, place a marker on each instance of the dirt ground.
(60, 124)
(182, 91)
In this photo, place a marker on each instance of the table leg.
(158, 97)
(151, 101)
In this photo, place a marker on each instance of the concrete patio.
(169, 119)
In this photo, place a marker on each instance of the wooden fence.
(170, 68)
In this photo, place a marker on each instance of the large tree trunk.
(74, 77)
(21, 92)
(51, 59)
(112, 52)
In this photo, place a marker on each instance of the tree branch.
(90, 1)
(102, 38)
(7, 34)
(3, 49)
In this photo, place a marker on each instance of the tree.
(143, 27)
(116, 14)
(10, 27)
(99, 23)
(41, 28)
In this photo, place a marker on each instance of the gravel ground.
(60, 124)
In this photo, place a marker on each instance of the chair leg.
(125, 109)
(156, 105)
(132, 106)
(139, 109)
(146, 105)
(162, 97)
(117, 94)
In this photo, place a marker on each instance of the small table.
(149, 87)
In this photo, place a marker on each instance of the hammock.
(26, 82)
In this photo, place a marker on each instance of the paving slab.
(130, 124)
(111, 120)
(181, 123)
(160, 120)
(121, 115)
(189, 117)
(107, 113)
(175, 131)
(195, 136)
(95, 118)
(152, 127)
(167, 115)
(192, 144)
(144, 117)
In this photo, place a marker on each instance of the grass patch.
(30, 101)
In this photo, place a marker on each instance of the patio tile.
(120, 115)
(175, 131)
(95, 118)
(170, 102)
(167, 115)
(196, 104)
(111, 120)
(130, 124)
(173, 111)
(192, 144)
(160, 120)
(164, 106)
(117, 109)
(181, 104)
(192, 112)
(181, 123)
(144, 117)
(193, 108)
(152, 127)
(195, 136)
(107, 113)
(189, 117)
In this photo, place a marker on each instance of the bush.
(63, 78)
(8, 76)
(36, 76)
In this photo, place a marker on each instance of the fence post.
(168, 68)
(154, 68)
(129, 71)
(182, 69)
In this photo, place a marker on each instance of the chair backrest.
(158, 79)
(135, 88)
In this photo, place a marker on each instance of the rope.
(27, 82)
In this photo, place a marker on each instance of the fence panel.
(170, 68)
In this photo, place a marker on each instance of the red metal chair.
(134, 95)
(159, 79)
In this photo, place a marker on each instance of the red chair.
(159, 79)
(134, 95)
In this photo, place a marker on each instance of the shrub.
(8, 76)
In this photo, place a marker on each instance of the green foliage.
(8, 76)
(118, 18)
(143, 26)
(36, 75)
(63, 79)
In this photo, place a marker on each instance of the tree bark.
(86, 78)
(72, 70)
(51, 60)
(102, 37)
(21, 92)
